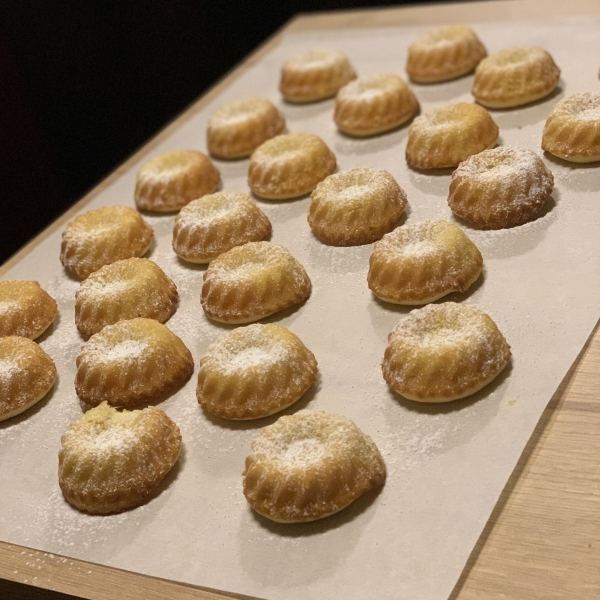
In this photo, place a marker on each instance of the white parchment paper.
(446, 464)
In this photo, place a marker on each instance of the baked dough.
(315, 75)
(103, 236)
(374, 104)
(130, 363)
(169, 181)
(213, 224)
(444, 352)
(126, 289)
(500, 188)
(254, 371)
(253, 281)
(26, 309)
(444, 54)
(446, 136)
(111, 461)
(572, 131)
(289, 166)
(421, 262)
(355, 207)
(514, 77)
(310, 465)
(239, 127)
(27, 374)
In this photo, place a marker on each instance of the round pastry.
(254, 371)
(514, 77)
(446, 136)
(419, 263)
(289, 166)
(27, 374)
(213, 224)
(126, 289)
(500, 188)
(374, 104)
(355, 207)
(239, 127)
(171, 180)
(315, 75)
(444, 352)
(26, 309)
(444, 54)
(131, 362)
(572, 131)
(253, 281)
(111, 461)
(310, 465)
(103, 236)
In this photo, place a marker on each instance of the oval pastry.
(131, 362)
(213, 224)
(444, 54)
(444, 352)
(355, 207)
(239, 127)
(572, 131)
(374, 104)
(289, 166)
(446, 136)
(103, 236)
(419, 263)
(111, 461)
(169, 181)
(26, 309)
(310, 465)
(27, 374)
(514, 77)
(315, 75)
(126, 289)
(500, 188)
(254, 371)
(253, 281)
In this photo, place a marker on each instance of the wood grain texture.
(543, 539)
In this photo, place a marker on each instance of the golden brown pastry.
(446, 136)
(514, 77)
(26, 309)
(310, 465)
(254, 371)
(572, 131)
(131, 362)
(444, 352)
(27, 374)
(355, 207)
(239, 127)
(500, 188)
(169, 181)
(213, 224)
(289, 166)
(253, 281)
(103, 236)
(374, 104)
(111, 461)
(126, 289)
(315, 75)
(421, 262)
(444, 54)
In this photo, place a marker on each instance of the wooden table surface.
(543, 539)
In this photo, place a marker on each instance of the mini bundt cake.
(355, 207)
(254, 371)
(310, 465)
(500, 188)
(419, 263)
